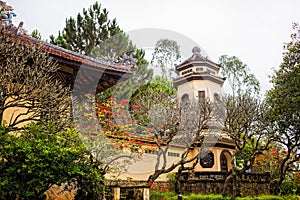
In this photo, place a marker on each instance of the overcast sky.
(252, 30)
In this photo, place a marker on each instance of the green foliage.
(289, 187)
(284, 96)
(171, 178)
(173, 196)
(157, 195)
(166, 55)
(36, 34)
(38, 157)
(93, 34)
(284, 99)
(269, 197)
(159, 92)
(157, 85)
(238, 75)
(87, 31)
(140, 75)
(205, 197)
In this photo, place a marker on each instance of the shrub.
(269, 197)
(173, 196)
(156, 195)
(204, 197)
(289, 187)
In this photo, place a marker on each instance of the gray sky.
(252, 30)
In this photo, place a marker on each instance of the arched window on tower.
(217, 97)
(185, 100)
(225, 160)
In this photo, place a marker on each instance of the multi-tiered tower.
(198, 80)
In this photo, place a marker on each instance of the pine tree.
(93, 34)
(88, 31)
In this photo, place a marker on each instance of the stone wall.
(213, 183)
(58, 193)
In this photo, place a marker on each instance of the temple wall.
(251, 184)
(10, 114)
(192, 88)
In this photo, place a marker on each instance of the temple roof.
(196, 58)
(68, 55)
(70, 62)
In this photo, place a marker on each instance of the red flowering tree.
(151, 120)
(106, 131)
(270, 161)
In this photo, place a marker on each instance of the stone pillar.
(117, 193)
(146, 194)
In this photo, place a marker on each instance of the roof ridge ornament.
(6, 14)
(196, 50)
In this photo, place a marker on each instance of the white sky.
(252, 30)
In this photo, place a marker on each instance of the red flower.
(137, 107)
(104, 108)
(149, 183)
(139, 143)
(111, 99)
(124, 102)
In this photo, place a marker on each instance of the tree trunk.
(177, 182)
(227, 184)
(274, 187)
(2, 102)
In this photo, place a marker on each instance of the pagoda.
(198, 80)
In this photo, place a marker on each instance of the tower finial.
(196, 50)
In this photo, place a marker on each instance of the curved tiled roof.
(73, 56)
(196, 58)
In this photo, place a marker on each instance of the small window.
(151, 151)
(199, 69)
(173, 154)
(187, 72)
(201, 95)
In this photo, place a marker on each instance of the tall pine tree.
(95, 35)
(88, 31)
